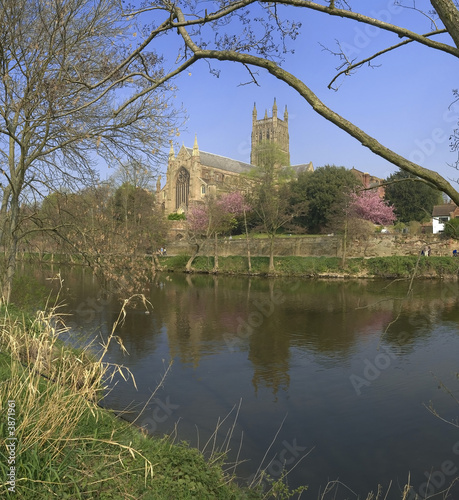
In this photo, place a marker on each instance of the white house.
(441, 214)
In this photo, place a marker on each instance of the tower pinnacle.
(275, 108)
(195, 146)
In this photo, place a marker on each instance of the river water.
(331, 380)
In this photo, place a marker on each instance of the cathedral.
(193, 174)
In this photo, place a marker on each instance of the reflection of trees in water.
(198, 316)
(270, 355)
(416, 316)
(267, 318)
(205, 315)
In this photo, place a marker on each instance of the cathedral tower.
(269, 129)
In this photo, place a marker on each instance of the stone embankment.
(382, 245)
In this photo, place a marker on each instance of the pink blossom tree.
(197, 219)
(369, 206)
(357, 213)
(233, 203)
(216, 216)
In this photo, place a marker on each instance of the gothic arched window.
(182, 188)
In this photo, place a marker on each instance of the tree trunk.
(11, 247)
(153, 266)
(156, 264)
(271, 254)
(249, 261)
(188, 267)
(7, 281)
(343, 259)
(215, 269)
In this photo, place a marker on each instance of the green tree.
(412, 198)
(452, 229)
(271, 180)
(323, 190)
(124, 203)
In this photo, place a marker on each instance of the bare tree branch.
(223, 50)
(351, 66)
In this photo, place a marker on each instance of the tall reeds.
(55, 389)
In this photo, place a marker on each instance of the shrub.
(452, 229)
(176, 216)
(399, 227)
(415, 227)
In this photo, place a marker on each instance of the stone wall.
(385, 245)
(382, 245)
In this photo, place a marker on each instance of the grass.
(316, 267)
(398, 266)
(260, 236)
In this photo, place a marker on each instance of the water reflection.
(346, 366)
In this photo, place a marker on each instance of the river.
(331, 380)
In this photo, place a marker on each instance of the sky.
(405, 103)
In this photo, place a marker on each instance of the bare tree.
(254, 34)
(94, 226)
(135, 174)
(68, 69)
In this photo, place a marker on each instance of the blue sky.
(404, 103)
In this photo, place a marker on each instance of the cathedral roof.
(221, 162)
(303, 167)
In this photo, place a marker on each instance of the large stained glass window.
(182, 188)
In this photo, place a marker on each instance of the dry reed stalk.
(50, 411)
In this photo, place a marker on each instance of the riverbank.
(394, 267)
(323, 267)
(61, 444)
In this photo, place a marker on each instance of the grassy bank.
(68, 447)
(305, 267)
(316, 267)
